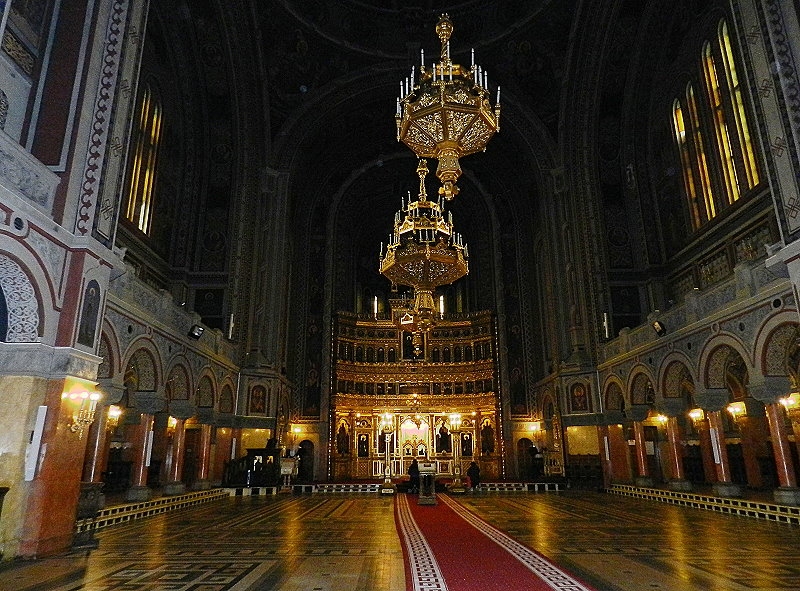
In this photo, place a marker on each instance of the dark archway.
(305, 462)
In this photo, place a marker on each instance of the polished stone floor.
(349, 542)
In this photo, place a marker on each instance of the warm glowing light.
(172, 422)
(114, 413)
(662, 419)
(536, 426)
(697, 414)
(737, 409)
(85, 401)
(455, 420)
(791, 402)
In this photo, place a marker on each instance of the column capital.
(181, 409)
(672, 407)
(149, 401)
(113, 390)
(638, 412)
(769, 389)
(712, 399)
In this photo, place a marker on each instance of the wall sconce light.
(737, 410)
(659, 327)
(791, 402)
(196, 331)
(83, 417)
(697, 414)
(114, 413)
(661, 419)
(172, 422)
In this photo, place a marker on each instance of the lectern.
(427, 483)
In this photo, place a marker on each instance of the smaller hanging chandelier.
(423, 252)
(446, 113)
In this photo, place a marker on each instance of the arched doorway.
(525, 458)
(305, 462)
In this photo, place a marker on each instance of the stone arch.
(226, 403)
(714, 358)
(206, 391)
(776, 349)
(106, 368)
(676, 379)
(641, 387)
(142, 370)
(614, 396)
(21, 320)
(178, 383)
(109, 350)
(549, 405)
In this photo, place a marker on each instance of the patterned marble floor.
(350, 543)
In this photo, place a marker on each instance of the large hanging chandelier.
(423, 252)
(445, 113)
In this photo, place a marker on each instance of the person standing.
(474, 475)
(413, 476)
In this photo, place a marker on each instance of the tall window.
(144, 162)
(719, 171)
(737, 103)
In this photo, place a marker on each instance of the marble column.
(203, 482)
(148, 403)
(713, 401)
(175, 485)
(605, 454)
(94, 463)
(139, 491)
(675, 445)
(787, 492)
(769, 390)
(643, 478)
(180, 410)
(236, 443)
(723, 487)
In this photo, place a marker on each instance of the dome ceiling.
(311, 45)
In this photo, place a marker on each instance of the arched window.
(747, 152)
(144, 161)
(720, 124)
(717, 172)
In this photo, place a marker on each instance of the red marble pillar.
(96, 458)
(706, 453)
(749, 428)
(605, 454)
(178, 450)
(641, 450)
(716, 430)
(675, 449)
(204, 456)
(49, 515)
(236, 443)
(780, 445)
(141, 440)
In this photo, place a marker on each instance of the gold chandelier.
(423, 252)
(446, 114)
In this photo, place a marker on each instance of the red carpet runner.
(447, 548)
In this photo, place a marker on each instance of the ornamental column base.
(174, 488)
(726, 489)
(202, 485)
(787, 495)
(388, 488)
(679, 485)
(139, 493)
